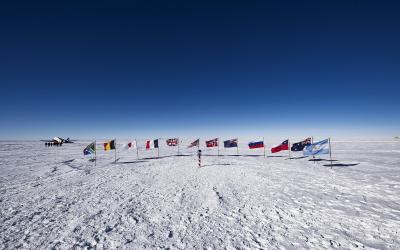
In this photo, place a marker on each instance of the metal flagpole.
(95, 153)
(237, 146)
(218, 145)
(158, 149)
(137, 149)
(312, 141)
(115, 153)
(178, 145)
(289, 147)
(330, 151)
(264, 146)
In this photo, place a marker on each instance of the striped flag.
(317, 148)
(151, 144)
(109, 145)
(283, 146)
(195, 143)
(257, 144)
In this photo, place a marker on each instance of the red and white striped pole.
(199, 155)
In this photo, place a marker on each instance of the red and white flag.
(130, 145)
(212, 143)
(283, 146)
(173, 142)
(151, 144)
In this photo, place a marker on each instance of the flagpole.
(312, 141)
(289, 147)
(158, 150)
(115, 153)
(330, 151)
(237, 146)
(218, 145)
(95, 153)
(137, 150)
(178, 145)
(264, 146)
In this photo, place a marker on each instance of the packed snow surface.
(56, 198)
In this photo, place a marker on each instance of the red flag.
(212, 143)
(283, 146)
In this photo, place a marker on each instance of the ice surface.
(55, 198)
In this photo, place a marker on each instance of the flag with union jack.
(173, 142)
(212, 143)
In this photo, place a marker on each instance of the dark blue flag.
(231, 143)
(299, 146)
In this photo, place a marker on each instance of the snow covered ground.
(56, 198)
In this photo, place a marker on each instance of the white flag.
(130, 145)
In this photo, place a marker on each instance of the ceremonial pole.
(264, 146)
(237, 146)
(137, 149)
(199, 156)
(330, 151)
(95, 153)
(312, 141)
(178, 145)
(218, 145)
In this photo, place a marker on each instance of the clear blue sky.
(159, 68)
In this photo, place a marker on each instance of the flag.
(90, 149)
(317, 148)
(172, 142)
(130, 145)
(151, 144)
(283, 146)
(299, 146)
(212, 143)
(233, 143)
(257, 144)
(109, 145)
(195, 143)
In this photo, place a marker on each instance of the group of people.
(51, 144)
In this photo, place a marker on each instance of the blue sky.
(159, 68)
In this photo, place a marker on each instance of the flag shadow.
(341, 165)
(164, 156)
(236, 155)
(276, 156)
(295, 158)
(317, 159)
(130, 162)
(219, 164)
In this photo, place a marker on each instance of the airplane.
(59, 140)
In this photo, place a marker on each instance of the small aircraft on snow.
(59, 140)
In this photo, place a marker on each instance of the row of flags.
(308, 148)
